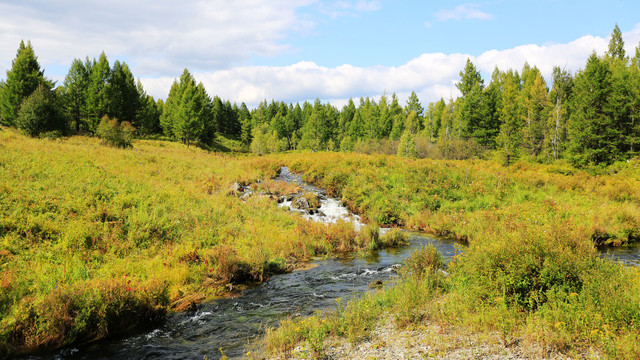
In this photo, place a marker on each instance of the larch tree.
(397, 116)
(535, 109)
(122, 93)
(188, 110)
(634, 78)
(616, 50)
(472, 107)
(148, 115)
(593, 134)
(24, 77)
(621, 99)
(74, 93)
(556, 129)
(510, 136)
(98, 100)
(385, 122)
(40, 113)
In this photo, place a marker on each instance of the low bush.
(393, 238)
(115, 133)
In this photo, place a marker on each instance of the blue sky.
(401, 30)
(296, 50)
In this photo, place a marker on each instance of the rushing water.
(232, 324)
(330, 210)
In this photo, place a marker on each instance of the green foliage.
(93, 89)
(510, 136)
(594, 134)
(116, 133)
(40, 113)
(98, 101)
(75, 92)
(22, 80)
(266, 141)
(394, 238)
(187, 114)
(407, 145)
(616, 45)
(423, 262)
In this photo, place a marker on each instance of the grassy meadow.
(531, 272)
(97, 241)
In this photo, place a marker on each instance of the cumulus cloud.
(460, 12)
(431, 76)
(155, 37)
(213, 38)
(308, 80)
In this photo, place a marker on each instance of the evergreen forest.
(587, 118)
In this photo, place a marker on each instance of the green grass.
(531, 271)
(96, 240)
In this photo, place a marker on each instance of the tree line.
(586, 118)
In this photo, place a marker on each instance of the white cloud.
(307, 80)
(571, 56)
(466, 11)
(213, 38)
(155, 37)
(431, 76)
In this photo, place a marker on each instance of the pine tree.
(397, 117)
(367, 112)
(74, 93)
(616, 46)
(385, 122)
(413, 104)
(123, 99)
(556, 136)
(244, 117)
(412, 123)
(98, 101)
(346, 117)
(493, 98)
(187, 114)
(594, 136)
(22, 80)
(510, 136)
(472, 107)
(407, 144)
(634, 126)
(40, 113)
(535, 109)
(148, 115)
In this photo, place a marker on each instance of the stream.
(232, 324)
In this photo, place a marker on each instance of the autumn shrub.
(369, 237)
(374, 146)
(393, 238)
(422, 262)
(115, 133)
